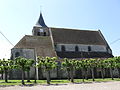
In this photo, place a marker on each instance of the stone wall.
(27, 53)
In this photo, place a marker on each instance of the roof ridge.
(73, 29)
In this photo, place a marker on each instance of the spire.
(40, 21)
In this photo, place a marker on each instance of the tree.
(101, 66)
(30, 62)
(70, 66)
(47, 64)
(5, 65)
(117, 60)
(1, 69)
(83, 65)
(111, 64)
(92, 64)
(23, 64)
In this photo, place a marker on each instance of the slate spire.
(40, 21)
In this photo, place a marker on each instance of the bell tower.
(40, 28)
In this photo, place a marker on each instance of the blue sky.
(17, 18)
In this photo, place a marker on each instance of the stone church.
(61, 43)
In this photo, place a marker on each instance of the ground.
(115, 85)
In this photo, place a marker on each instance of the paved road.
(87, 86)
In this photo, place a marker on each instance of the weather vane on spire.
(40, 8)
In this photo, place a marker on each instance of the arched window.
(38, 33)
(63, 48)
(89, 48)
(44, 33)
(76, 48)
(17, 54)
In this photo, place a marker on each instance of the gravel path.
(87, 86)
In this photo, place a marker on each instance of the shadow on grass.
(28, 85)
(54, 84)
(9, 82)
(82, 82)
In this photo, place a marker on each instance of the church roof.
(73, 36)
(40, 21)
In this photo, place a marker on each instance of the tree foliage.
(70, 66)
(93, 65)
(24, 64)
(5, 66)
(47, 64)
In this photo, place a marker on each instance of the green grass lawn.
(18, 82)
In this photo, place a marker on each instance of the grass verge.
(18, 82)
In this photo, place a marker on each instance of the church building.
(61, 43)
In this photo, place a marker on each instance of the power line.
(6, 38)
(115, 41)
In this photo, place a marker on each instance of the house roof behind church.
(73, 36)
